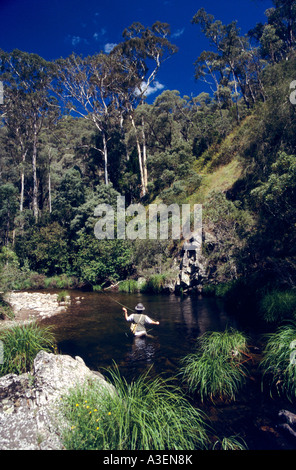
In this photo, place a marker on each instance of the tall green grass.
(21, 345)
(155, 284)
(215, 370)
(278, 363)
(277, 306)
(6, 310)
(230, 443)
(129, 286)
(147, 414)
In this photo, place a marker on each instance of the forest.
(78, 131)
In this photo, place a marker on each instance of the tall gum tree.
(91, 88)
(145, 49)
(28, 109)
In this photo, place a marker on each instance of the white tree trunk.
(35, 183)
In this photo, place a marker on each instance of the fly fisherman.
(139, 319)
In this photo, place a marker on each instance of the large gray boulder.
(29, 402)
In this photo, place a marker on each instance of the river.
(95, 329)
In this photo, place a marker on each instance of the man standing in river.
(139, 319)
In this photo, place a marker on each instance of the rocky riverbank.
(29, 402)
(28, 306)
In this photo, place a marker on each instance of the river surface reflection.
(94, 328)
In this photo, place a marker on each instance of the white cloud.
(99, 34)
(150, 89)
(178, 33)
(109, 47)
(75, 40)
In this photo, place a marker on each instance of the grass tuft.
(21, 345)
(146, 414)
(277, 306)
(279, 362)
(215, 370)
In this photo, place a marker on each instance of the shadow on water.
(95, 329)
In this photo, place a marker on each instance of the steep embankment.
(221, 166)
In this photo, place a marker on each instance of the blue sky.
(55, 28)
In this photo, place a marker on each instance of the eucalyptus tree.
(29, 108)
(90, 87)
(233, 63)
(145, 49)
(277, 38)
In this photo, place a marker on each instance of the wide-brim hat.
(139, 307)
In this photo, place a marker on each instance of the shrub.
(21, 345)
(279, 371)
(143, 415)
(214, 370)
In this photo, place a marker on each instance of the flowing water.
(95, 329)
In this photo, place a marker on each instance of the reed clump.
(21, 343)
(279, 362)
(146, 414)
(215, 370)
(276, 306)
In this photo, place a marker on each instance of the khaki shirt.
(139, 319)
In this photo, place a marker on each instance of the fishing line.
(108, 295)
(119, 303)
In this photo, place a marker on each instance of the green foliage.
(21, 345)
(5, 310)
(278, 364)
(145, 414)
(61, 281)
(129, 286)
(8, 210)
(230, 443)
(153, 256)
(69, 196)
(101, 261)
(62, 296)
(51, 183)
(230, 227)
(214, 370)
(46, 248)
(154, 284)
(276, 306)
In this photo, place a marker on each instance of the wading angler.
(158, 220)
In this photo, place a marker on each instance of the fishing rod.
(108, 295)
(114, 300)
